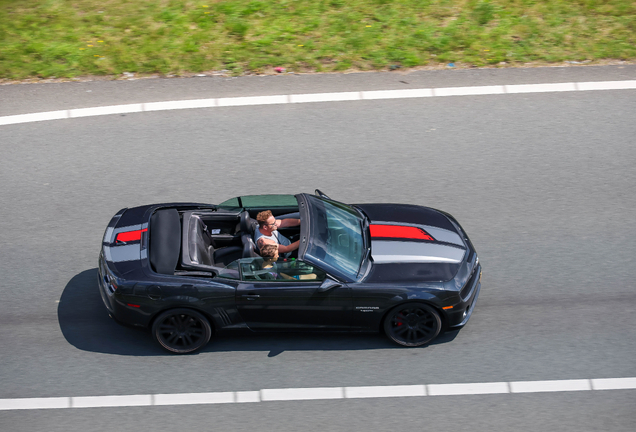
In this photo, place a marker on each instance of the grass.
(58, 38)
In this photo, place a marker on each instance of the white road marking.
(290, 394)
(467, 389)
(318, 97)
(540, 88)
(105, 110)
(384, 391)
(35, 403)
(194, 398)
(397, 94)
(614, 384)
(320, 393)
(549, 386)
(110, 401)
(325, 97)
(248, 396)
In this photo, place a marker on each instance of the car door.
(292, 304)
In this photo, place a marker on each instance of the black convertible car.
(186, 270)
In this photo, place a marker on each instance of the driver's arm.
(292, 247)
(284, 223)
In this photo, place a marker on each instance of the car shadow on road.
(86, 325)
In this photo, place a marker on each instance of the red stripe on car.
(399, 231)
(129, 236)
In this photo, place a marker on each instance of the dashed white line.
(319, 97)
(320, 393)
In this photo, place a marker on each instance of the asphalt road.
(543, 183)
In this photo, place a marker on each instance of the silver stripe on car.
(414, 252)
(108, 235)
(130, 252)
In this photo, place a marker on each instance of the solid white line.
(549, 386)
(248, 396)
(290, 394)
(252, 100)
(318, 97)
(397, 94)
(467, 389)
(194, 398)
(540, 88)
(110, 401)
(607, 85)
(384, 391)
(319, 393)
(185, 104)
(105, 110)
(324, 97)
(469, 91)
(614, 383)
(28, 118)
(35, 403)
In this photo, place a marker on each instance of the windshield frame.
(311, 240)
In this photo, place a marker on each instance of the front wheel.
(181, 331)
(412, 325)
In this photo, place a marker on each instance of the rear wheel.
(181, 331)
(412, 324)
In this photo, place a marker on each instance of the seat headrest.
(248, 225)
(249, 248)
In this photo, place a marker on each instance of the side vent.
(225, 318)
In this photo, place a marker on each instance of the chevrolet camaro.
(186, 271)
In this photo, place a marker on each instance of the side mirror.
(321, 194)
(328, 284)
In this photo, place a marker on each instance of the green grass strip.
(57, 38)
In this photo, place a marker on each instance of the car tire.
(181, 331)
(412, 324)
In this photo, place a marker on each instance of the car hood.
(412, 243)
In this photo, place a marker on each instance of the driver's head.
(266, 220)
(270, 252)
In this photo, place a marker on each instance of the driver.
(267, 232)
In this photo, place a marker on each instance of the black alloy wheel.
(412, 324)
(181, 331)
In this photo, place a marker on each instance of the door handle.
(250, 296)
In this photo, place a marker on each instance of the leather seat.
(248, 226)
(249, 248)
(199, 248)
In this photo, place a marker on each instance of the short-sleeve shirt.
(276, 237)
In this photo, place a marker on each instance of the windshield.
(336, 236)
